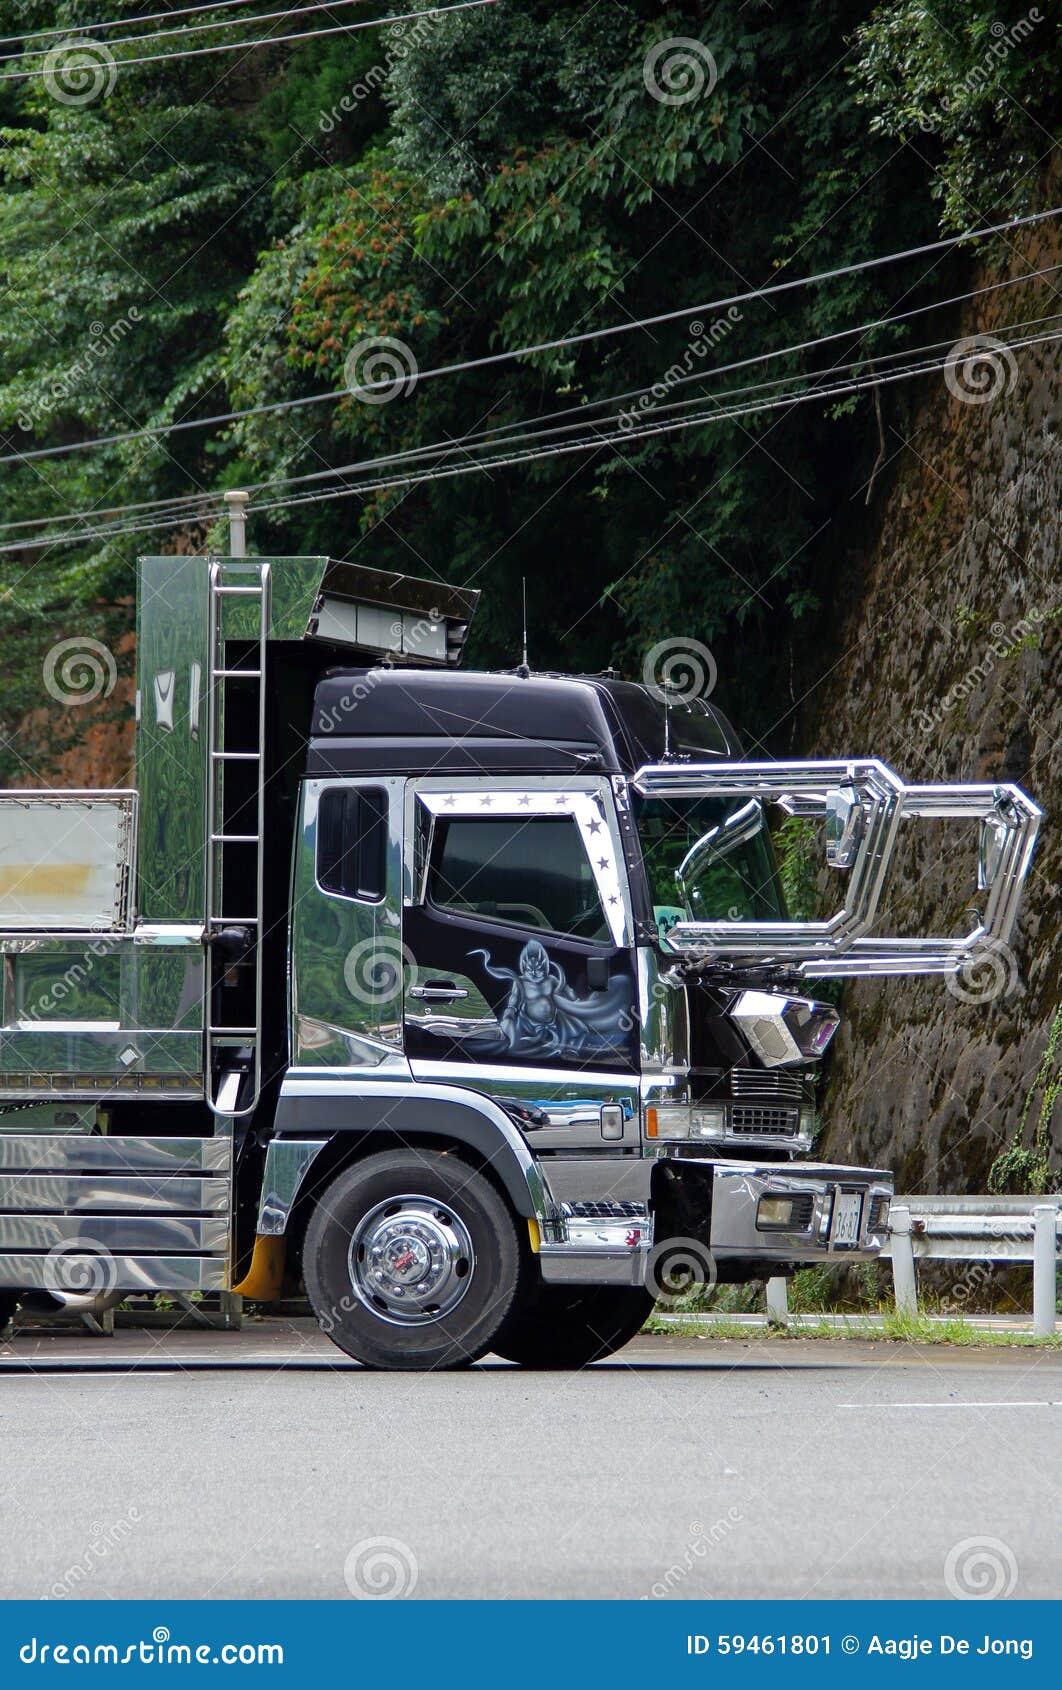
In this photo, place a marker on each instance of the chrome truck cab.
(559, 896)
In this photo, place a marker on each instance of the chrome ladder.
(247, 581)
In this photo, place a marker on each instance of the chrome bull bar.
(865, 804)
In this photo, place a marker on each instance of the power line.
(530, 430)
(591, 443)
(186, 29)
(267, 41)
(280, 405)
(644, 431)
(117, 23)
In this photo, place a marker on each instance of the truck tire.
(572, 1325)
(411, 1261)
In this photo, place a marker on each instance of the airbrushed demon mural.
(545, 1017)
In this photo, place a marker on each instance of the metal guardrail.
(977, 1229)
(966, 1229)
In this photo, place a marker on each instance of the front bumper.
(840, 1214)
(836, 1214)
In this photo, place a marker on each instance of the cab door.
(518, 954)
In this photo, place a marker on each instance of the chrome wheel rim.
(411, 1260)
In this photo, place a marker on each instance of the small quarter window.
(352, 842)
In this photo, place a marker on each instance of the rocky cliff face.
(945, 663)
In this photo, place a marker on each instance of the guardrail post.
(777, 1302)
(904, 1284)
(1045, 1260)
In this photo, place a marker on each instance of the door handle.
(438, 991)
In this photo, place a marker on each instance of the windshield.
(708, 859)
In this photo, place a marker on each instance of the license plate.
(846, 1217)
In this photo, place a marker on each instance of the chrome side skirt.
(85, 1213)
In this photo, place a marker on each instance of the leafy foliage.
(224, 233)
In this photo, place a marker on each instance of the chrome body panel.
(572, 1101)
(85, 1017)
(117, 1234)
(286, 1166)
(82, 1193)
(346, 953)
(102, 1273)
(599, 1243)
(600, 1178)
(94, 1153)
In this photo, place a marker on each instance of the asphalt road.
(250, 1465)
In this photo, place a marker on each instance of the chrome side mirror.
(993, 837)
(845, 825)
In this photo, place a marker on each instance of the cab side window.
(352, 842)
(532, 872)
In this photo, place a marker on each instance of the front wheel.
(570, 1326)
(411, 1261)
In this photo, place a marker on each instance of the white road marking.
(1042, 1403)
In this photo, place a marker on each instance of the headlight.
(807, 1123)
(705, 1121)
(709, 1122)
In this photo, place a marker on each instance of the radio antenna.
(523, 588)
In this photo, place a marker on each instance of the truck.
(469, 1003)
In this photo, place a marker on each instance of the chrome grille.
(757, 1118)
(768, 1084)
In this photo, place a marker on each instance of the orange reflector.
(650, 1123)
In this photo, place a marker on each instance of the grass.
(887, 1326)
